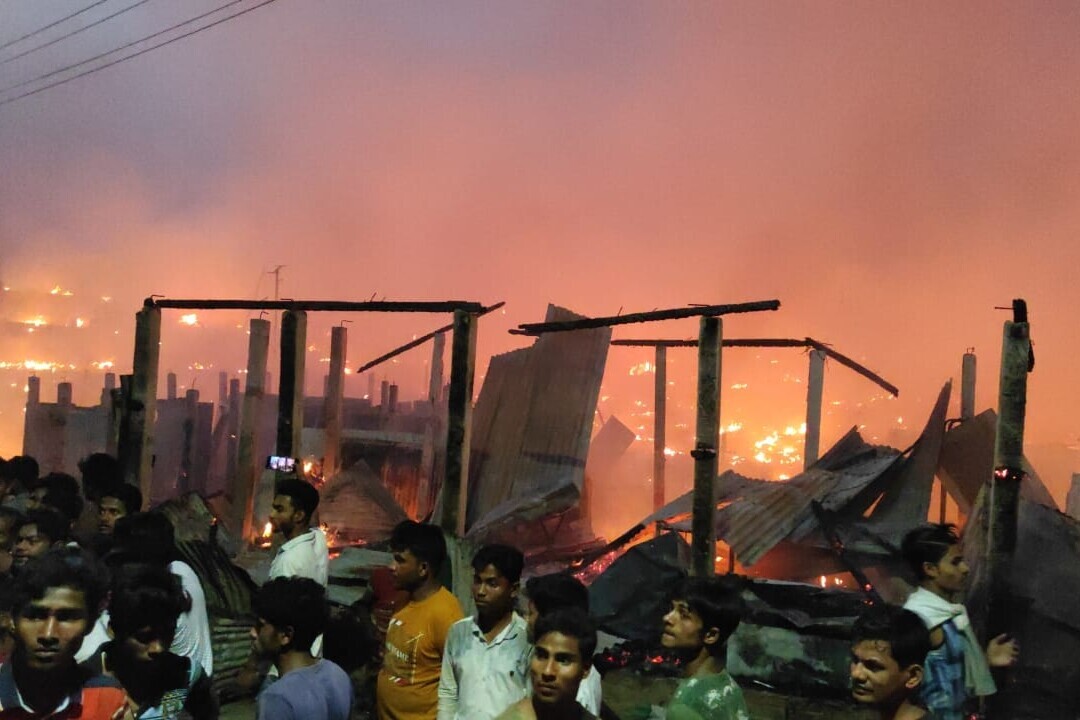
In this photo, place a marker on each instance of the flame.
(191, 319)
(79, 322)
(267, 535)
(822, 581)
(642, 368)
(37, 321)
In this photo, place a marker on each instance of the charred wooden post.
(431, 429)
(223, 389)
(1016, 362)
(459, 421)
(188, 449)
(967, 385)
(814, 388)
(247, 467)
(291, 385)
(659, 429)
(232, 434)
(332, 405)
(107, 388)
(170, 386)
(136, 445)
(1072, 500)
(703, 524)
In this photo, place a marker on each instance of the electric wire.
(135, 54)
(53, 24)
(125, 46)
(76, 31)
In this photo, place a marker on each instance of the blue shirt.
(943, 691)
(320, 692)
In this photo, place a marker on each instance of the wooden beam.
(775, 342)
(673, 314)
(246, 480)
(290, 423)
(136, 447)
(659, 431)
(419, 341)
(315, 305)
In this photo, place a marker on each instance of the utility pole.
(814, 387)
(1017, 361)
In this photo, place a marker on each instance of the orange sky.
(890, 172)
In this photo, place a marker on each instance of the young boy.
(56, 599)
(562, 658)
(956, 671)
(888, 648)
(486, 658)
(291, 613)
(408, 685)
(704, 613)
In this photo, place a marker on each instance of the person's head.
(704, 612)
(99, 472)
(562, 656)
(117, 501)
(64, 502)
(7, 479)
(144, 537)
(9, 521)
(144, 606)
(293, 506)
(55, 602)
(888, 648)
(419, 552)
(496, 577)
(934, 554)
(547, 593)
(40, 531)
(290, 613)
(24, 469)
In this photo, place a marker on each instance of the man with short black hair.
(56, 599)
(705, 611)
(409, 679)
(305, 552)
(562, 658)
(291, 613)
(145, 603)
(10, 519)
(485, 662)
(548, 593)
(40, 531)
(888, 648)
(117, 501)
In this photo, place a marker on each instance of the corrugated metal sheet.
(357, 505)
(532, 423)
(967, 461)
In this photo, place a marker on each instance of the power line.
(51, 25)
(133, 43)
(136, 54)
(76, 31)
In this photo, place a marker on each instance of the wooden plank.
(673, 314)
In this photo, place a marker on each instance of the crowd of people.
(100, 618)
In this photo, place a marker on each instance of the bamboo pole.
(459, 416)
(659, 430)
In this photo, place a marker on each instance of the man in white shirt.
(305, 552)
(547, 593)
(486, 659)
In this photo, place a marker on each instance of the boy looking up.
(704, 613)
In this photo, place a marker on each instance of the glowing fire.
(191, 319)
(642, 368)
(36, 321)
(267, 534)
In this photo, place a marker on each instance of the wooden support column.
(291, 385)
(247, 465)
(967, 386)
(332, 405)
(459, 421)
(1072, 500)
(659, 429)
(136, 445)
(814, 386)
(232, 435)
(703, 524)
(170, 386)
(425, 494)
(188, 450)
(1008, 465)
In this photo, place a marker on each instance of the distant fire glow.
(191, 319)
